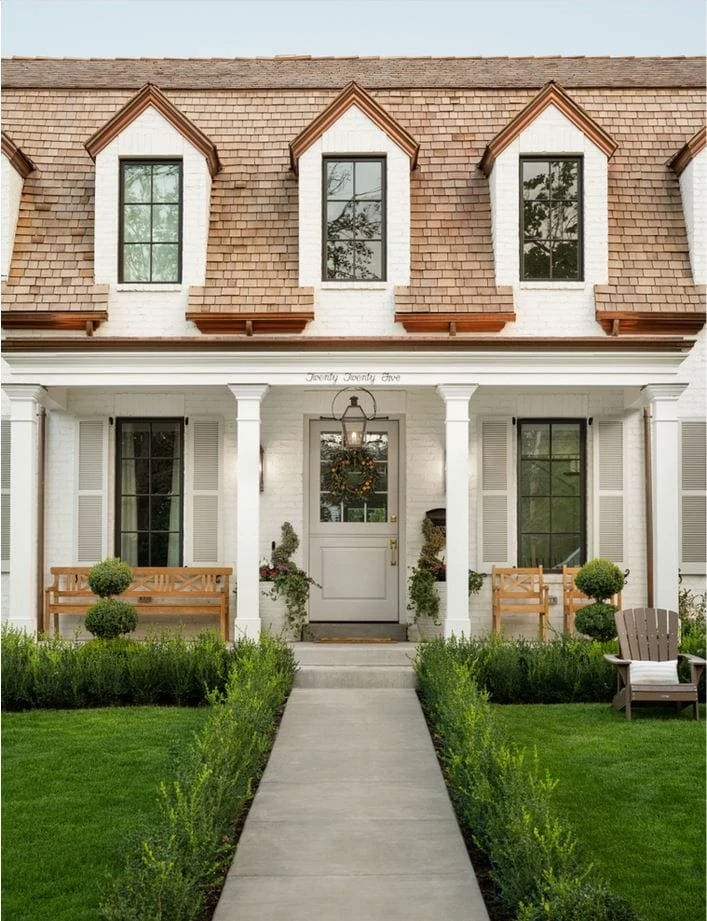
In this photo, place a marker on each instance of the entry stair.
(342, 664)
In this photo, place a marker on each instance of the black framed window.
(354, 219)
(551, 493)
(551, 219)
(150, 221)
(149, 491)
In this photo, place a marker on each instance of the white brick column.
(456, 399)
(249, 398)
(665, 435)
(24, 498)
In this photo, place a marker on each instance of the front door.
(353, 525)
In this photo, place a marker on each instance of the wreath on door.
(351, 474)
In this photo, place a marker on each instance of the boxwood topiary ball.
(110, 577)
(110, 617)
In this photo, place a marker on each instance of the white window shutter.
(91, 534)
(496, 480)
(609, 520)
(205, 465)
(5, 495)
(693, 510)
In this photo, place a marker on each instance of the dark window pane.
(565, 550)
(535, 179)
(150, 222)
(340, 260)
(536, 261)
(535, 513)
(368, 220)
(354, 514)
(368, 259)
(564, 260)
(534, 550)
(565, 439)
(535, 440)
(340, 179)
(376, 514)
(564, 221)
(535, 478)
(340, 220)
(535, 218)
(354, 228)
(563, 178)
(566, 480)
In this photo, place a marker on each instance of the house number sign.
(351, 377)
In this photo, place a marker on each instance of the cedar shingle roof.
(650, 107)
(303, 72)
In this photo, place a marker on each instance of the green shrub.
(109, 618)
(174, 866)
(565, 670)
(503, 799)
(165, 668)
(109, 577)
(597, 620)
(599, 579)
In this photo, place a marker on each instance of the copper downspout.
(41, 473)
(648, 477)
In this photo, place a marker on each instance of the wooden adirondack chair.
(646, 670)
(518, 590)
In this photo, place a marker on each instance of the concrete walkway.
(352, 821)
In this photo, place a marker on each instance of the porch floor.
(352, 819)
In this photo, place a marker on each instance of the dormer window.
(551, 218)
(354, 219)
(150, 221)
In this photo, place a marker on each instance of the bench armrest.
(693, 660)
(615, 660)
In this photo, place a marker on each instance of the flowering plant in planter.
(288, 580)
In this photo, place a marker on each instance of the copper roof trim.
(453, 322)
(345, 344)
(87, 320)
(641, 322)
(19, 160)
(152, 96)
(353, 95)
(251, 323)
(689, 151)
(551, 94)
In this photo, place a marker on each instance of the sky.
(264, 28)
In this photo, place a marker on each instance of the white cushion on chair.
(654, 672)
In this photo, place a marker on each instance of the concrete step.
(355, 665)
(315, 631)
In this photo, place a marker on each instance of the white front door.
(353, 526)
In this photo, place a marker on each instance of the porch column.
(456, 399)
(24, 497)
(665, 438)
(249, 398)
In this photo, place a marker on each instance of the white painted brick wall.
(148, 309)
(11, 192)
(363, 308)
(693, 187)
(542, 308)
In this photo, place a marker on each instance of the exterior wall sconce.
(354, 418)
(261, 469)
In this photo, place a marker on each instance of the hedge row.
(163, 669)
(502, 798)
(176, 865)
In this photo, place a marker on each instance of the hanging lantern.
(354, 419)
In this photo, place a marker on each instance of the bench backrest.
(151, 580)
(518, 585)
(572, 598)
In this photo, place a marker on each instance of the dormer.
(353, 163)
(548, 177)
(154, 169)
(690, 165)
(16, 167)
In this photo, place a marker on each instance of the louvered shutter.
(496, 480)
(205, 482)
(5, 495)
(91, 537)
(693, 510)
(609, 459)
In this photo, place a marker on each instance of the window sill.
(149, 287)
(552, 285)
(355, 285)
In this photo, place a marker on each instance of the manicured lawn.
(634, 793)
(74, 784)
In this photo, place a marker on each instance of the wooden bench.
(180, 591)
(573, 599)
(517, 590)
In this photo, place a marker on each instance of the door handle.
(393, 551)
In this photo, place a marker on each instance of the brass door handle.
(393, 551)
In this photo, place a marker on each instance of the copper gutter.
(648, 479)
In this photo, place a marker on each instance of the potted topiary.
(110, 617)
(598, 579)
(288, 581)
(423, 585)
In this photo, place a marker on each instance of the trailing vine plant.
(288, 581)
